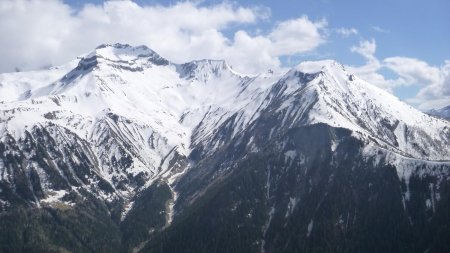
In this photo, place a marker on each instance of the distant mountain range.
(122, 150)
(444, 112)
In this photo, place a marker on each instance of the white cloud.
(379, 29)
(39, 33)
(346, 32)
(436, 94)
(366, 49)
(296, 36)
(252, 54)
(370, 70)
(414, 71)
(30, 36)
(435, 80)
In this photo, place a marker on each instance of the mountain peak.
(120, 54)
(204, 69)
(328, 73)
(116, 45)
(335, 72)
(123, 51)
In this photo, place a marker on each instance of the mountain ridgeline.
(122, 150)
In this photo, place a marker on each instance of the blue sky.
(398, 45)
(413, 28)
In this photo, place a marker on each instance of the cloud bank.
(433, 80)
(39, 33)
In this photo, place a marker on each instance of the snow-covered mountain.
(443, 113)
(121, 120)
